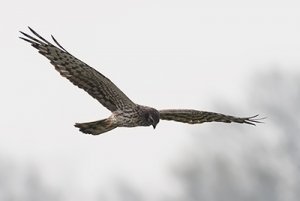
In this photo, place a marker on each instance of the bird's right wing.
(80, 74)
(198, 117)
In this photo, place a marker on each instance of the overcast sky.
(165, 54)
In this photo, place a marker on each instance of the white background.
(165, 54)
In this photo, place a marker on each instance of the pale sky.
(165, 54)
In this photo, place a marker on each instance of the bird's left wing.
(80, 74)
(198, 117)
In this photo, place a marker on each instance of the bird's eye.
(150, 119)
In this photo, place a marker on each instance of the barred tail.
(96, 127)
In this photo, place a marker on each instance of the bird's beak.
(153, 126)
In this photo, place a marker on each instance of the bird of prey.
(125, 113)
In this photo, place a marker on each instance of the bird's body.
(131, 117)
(136, 116)
(125, 113)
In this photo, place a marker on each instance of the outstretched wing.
(80, 74)
(198, 117)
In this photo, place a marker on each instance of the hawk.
(125, 113)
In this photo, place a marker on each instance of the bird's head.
(151, 117)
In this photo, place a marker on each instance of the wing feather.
(198, 117)
(80, 74)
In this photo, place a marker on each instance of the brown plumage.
(198, 117)
(125, 113)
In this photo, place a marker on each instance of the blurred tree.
(260, 164)
(19, 183)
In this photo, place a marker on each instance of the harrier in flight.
(125, 113)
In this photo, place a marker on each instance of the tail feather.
(96, 127)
